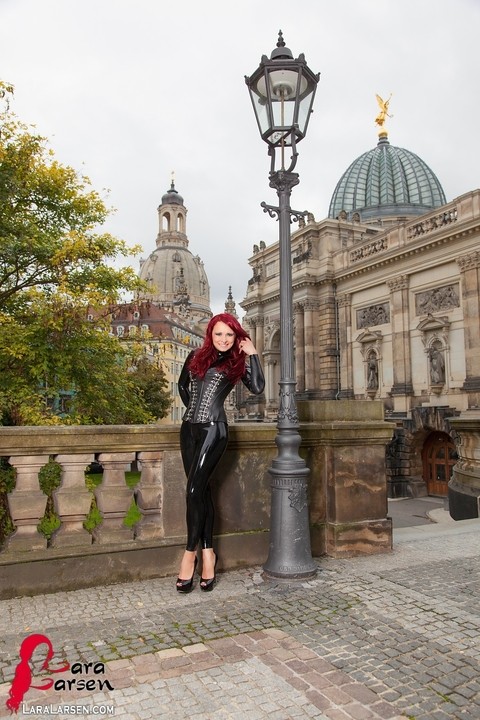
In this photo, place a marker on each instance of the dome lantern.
(176, 278)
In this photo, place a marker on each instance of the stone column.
(326, 344)
(470, 286)
(345, 335)
(149, 496)
(272, 384)
(260, 346)
(258, 336)
(72, 501)
(401, 351)
(299, 346)
(114, 498)
(27, 504)
(308, 308)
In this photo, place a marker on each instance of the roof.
(384, 182)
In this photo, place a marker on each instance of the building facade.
(166, 338)
(386, 297)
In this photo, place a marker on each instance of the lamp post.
(282, 90)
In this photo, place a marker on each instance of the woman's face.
(223, 337)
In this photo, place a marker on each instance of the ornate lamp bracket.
(274, 212)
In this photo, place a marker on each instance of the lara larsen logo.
(23, 677)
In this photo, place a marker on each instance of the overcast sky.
(128, 91)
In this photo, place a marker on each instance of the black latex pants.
(202, 446)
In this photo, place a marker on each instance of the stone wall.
(343, 444)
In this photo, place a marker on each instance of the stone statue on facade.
(437, 366)
(372, 377)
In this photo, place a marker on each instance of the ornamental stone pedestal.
(345, 441)
(464, 487)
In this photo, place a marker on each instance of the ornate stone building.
(386, 295)
(171, 317)
(166, 337)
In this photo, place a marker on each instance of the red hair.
(234, 364)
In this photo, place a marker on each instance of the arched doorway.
(439, 456)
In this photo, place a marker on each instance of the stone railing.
(29, 449)
(335, 452)
(431, 223)
(75, 557)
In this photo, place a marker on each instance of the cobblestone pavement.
(390, 636)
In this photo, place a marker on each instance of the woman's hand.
(247, 346)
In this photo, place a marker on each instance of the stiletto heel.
(207, 584)
(186, 586)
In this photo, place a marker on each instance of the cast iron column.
(290, 555)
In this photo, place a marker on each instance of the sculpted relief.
(373, 315)
(442, 298)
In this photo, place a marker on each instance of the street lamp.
(282, 90)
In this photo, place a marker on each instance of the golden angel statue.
(383, 114)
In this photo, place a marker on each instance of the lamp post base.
(290, 555)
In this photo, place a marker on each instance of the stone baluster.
(114, 498)
(72, 501)
(27, 504)
(149, 496)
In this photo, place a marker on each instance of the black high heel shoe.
(207, 584)
(186, 586)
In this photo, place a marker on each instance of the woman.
(208, 376)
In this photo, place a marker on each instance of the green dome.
(386, 182)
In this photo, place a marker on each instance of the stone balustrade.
(347, 495)
(113, 551)
(28, 449)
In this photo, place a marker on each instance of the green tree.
(57, 280)
(151, 382)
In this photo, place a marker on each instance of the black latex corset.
(205, 397)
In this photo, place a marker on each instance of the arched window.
(166, 221)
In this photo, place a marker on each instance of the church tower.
(176, 278)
